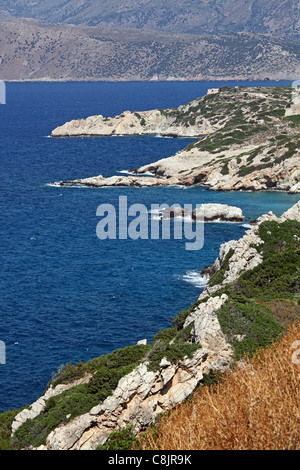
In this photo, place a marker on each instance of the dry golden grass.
(256, 407)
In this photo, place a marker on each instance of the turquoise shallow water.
(66, 295)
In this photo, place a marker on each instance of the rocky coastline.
(246, 139)
(133, 386)
(142, 394)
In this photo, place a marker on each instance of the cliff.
(247, 139)
(238, 312)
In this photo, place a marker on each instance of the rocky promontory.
(245, 139)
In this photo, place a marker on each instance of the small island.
(245, 139)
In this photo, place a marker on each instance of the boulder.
(218, 212)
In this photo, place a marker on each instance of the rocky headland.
(245, 139)
(237, 312)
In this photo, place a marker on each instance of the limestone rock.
(138, 399)
(142, 341)
(38, 406)
(206, 329)
(218, 212)
(291, 214)
(175, 211)
(244, 257)
(121, 181)
(130, 123)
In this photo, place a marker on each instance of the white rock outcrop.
(291, 214)
(139, 397)
(218, 212)
(131, 123)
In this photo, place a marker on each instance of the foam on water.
(195, 278)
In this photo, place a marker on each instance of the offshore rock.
(218, 212)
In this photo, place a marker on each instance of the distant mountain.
(275, 17)
(30, 50)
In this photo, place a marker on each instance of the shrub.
(6, 420)
(120, 440)
(225, 169)
(69, 373)
(295, 119)
(218, 276)
(172, 352)
(248, 326)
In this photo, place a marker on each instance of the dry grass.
(256, 407)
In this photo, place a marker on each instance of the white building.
(212, 91)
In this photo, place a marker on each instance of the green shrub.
(125, 356)
(6, 420)
(218, 276)
(277, 112)
(69, 373)
(295, 119)
(254, 323)
(172, 352)
(120, 440)
(165, 335)
(225, 169)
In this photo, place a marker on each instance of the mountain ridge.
(30, 50)
(276, 17)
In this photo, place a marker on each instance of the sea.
(66, 295)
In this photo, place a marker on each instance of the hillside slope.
(30, 50)
(245, 411)
(275, 17)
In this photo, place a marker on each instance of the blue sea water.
(65, 295)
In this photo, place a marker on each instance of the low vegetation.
(253, 407)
